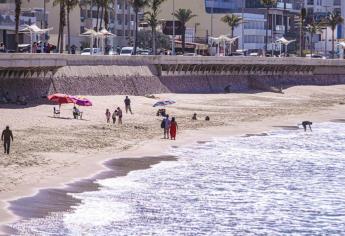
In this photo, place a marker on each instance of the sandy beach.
(48, 152)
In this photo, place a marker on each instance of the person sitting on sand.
(194, 117)
(173, 128)
(114, 116)
(119, 114)
(107, 115)
(207, 118)
(305, 124)
(75, 112)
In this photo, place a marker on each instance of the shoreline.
(156, 147)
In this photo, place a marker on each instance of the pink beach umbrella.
(81, 101)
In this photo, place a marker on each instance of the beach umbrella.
(81, 101)
(163, 103)
(60, 98)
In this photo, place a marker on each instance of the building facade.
(252, 32)
(86, 15)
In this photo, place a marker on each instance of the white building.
(252, 33)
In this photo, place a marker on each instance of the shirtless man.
(6, 138)
(305, 124)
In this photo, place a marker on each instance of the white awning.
(34, 29)
(223, 39)
(106, 33)
(284, 41)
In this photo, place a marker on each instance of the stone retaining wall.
(142, 80)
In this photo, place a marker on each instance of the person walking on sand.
(114, 116)
(128, 105)
(166, 127)
(107, 115)
(6, 137)
(173, 129)
(119, 114)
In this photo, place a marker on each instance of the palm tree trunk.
(98, 7)
(101, 20)
(62, 16)
(183, 39)
(154, 49)
(332, 43)
(136, 32)
(311, 44)
(17, 19)
(68, 30)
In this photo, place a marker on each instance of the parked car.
(126, 51)
(315, 56)
(87, 51)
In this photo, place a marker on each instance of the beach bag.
(163, 124)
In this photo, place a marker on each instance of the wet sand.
(51, 200)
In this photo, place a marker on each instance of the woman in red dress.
(173, 128)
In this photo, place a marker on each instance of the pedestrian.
(173, 128)
(114, 116)
(6, 138)
(194, 117)
(2, 47)
(166, 126)
(107, 115)
(119, 114)
(128, 105)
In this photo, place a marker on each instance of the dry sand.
(48, 152)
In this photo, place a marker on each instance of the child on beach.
(173, 129)
(114, 116)
(107, 115)
(119, 113)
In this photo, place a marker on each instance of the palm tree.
(184, 15)
(18, 9)
(152, 19)
(268, 4)
(232, 21)
(70, 4)
(62, 22)
(137, 6)
(333, 20)
(303, 16)
(313, 28)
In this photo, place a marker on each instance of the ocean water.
(285, 183)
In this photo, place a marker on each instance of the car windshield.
(86, 50)
(126, 51)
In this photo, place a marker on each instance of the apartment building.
(252, 33)
(318, 10)
(121, 17)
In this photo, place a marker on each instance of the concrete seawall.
(104, 75)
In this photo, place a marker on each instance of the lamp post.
(174, 33)
(243, 2)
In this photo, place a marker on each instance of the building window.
(310, 2)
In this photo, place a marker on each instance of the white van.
(126, 51)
